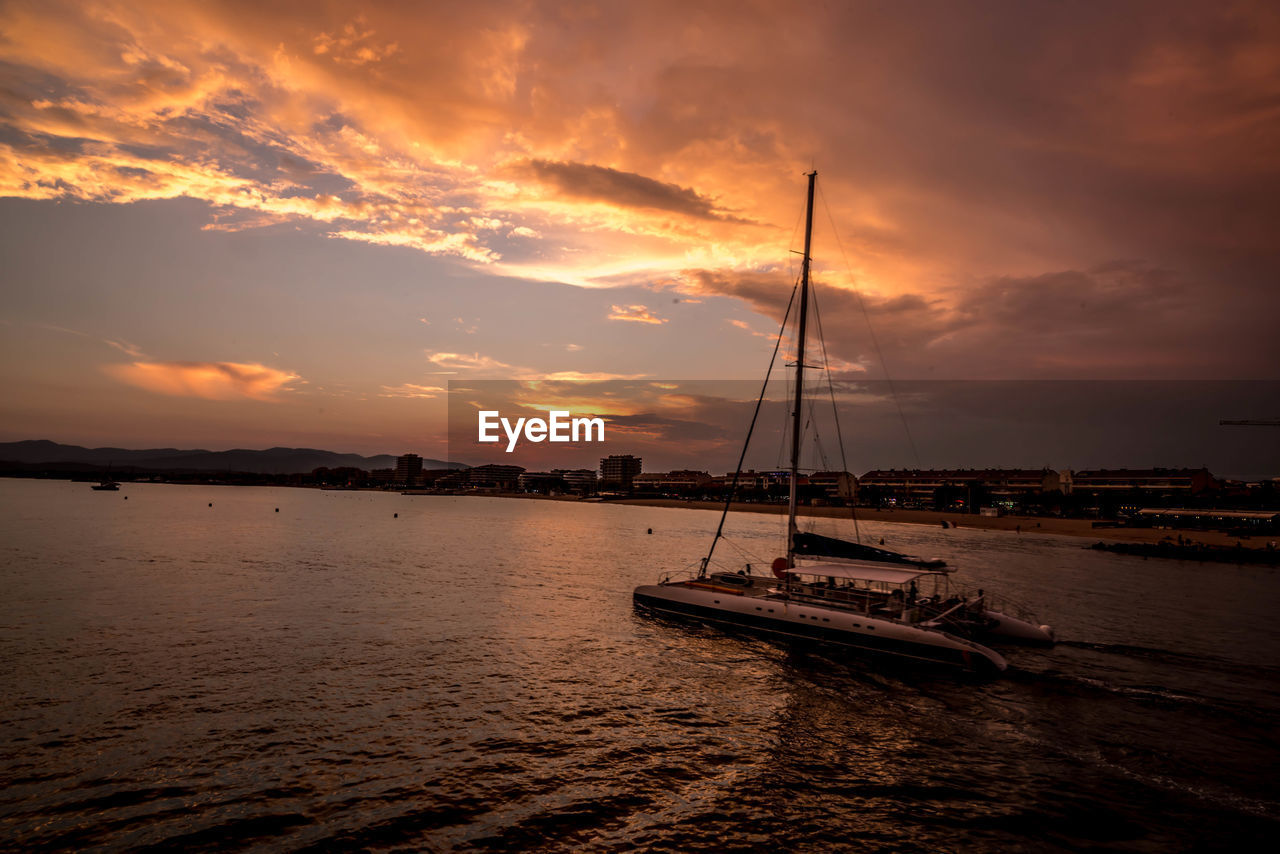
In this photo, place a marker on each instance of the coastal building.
(1235, 521)
(679, 482)
(619, 470)
(433, 477)
(648, 482)
(837, 485)
(1015, 483)
(545, 482)
(450, 479)
(495, 478)
(408, 470)
(755, 485)
(752, 480)
(578, 480)
(956, 487)
(1151, 482)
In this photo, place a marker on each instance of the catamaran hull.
(812, 622)
(1008, 628)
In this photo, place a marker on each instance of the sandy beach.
(1014, 525)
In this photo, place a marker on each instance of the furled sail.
(816, 545)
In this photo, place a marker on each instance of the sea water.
(203, 667)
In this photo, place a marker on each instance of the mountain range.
(270, 461)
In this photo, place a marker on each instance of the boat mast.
(796, 414)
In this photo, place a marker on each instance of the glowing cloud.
(465, 362)
(474, 363)
(635, 313)
(590, 376)
(623, 189)
(208, 380)
(410, 390)
(125, 347)
(369, 128)
(746, 327)
(672, 160)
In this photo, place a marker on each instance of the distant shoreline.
(1014, 525)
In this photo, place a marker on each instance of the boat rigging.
(858, 596)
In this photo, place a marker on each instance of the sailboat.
(106, 484)
(839, 592)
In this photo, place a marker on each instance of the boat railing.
(1011, 607)
(849, 602)
(942, 617)
(676, 575)
(954, 613)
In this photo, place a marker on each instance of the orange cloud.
(616, 147)
(581, 376)
(454, 362)
(353, 45)
(131, 350)
(208, 380)
(746, 327)
(635, 313)
(458, 363)
(411, 390)
(351, 124)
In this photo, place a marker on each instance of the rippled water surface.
(470, 675)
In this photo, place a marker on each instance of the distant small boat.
(106, 486)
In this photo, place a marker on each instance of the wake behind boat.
(839, 592)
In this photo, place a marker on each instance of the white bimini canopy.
(860, 572)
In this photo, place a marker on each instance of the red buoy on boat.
(780, 567)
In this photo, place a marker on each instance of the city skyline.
(230, 225)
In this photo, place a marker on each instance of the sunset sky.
(247, 224)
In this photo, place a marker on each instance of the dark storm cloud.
(662, 428)
(701, 424)
(625, 189)
(1119, 320)
(1062, 424)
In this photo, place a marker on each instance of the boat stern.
(1004, 627)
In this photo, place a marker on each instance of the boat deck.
(953, 613)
